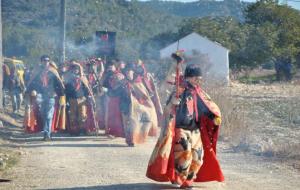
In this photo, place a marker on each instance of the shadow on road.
(68, 145)
(57, 137)
(132, 186)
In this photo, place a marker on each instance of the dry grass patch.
(234, 128)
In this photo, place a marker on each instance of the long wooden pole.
(62, 54)
(1, 59)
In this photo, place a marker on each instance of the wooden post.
(62, 32)
(1, 59)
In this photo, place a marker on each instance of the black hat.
(192, 71)
(129, 66)
(45, 58)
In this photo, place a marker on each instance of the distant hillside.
(201, 8)
(30, 27)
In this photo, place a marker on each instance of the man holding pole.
(186, 149)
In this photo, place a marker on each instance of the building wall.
(194, 45)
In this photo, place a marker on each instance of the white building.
(212, 56)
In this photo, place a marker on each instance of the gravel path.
(104, 163)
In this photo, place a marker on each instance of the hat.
(192, 71)
(129, 66)
(45, 58)
(75, 65)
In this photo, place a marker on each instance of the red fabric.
(91, 78)
(210, 170)
(37, 126)
(77, 83)
(113, 121)
(104, 37)
(31, 119)
(90, 124)
(100, 113)
(162, 168)
(74, 130)
(141, 97)
(55, 118)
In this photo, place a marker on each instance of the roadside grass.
(287, 113)
(8, 158)
(283, 112)
(234, 128)
(257, 79)
(288, 153)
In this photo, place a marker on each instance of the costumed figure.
(81, 102)
(138, 111)
(150, 85)
(33, 122)
(95, 71)
(93, 76)
(113, 117)
(45, 109)
(186, 149)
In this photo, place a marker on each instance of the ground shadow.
(60, 137)
(18, 135)
(132, 186)
(50, 144)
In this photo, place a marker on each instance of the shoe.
(46, 137)
(185, 186)
(175, 185)
(131, 145)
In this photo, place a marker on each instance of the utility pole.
(284, 2)
(1, 59)
(62, 34)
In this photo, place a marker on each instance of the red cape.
(113, 117)
(161, 164)
(33, 122)
(89, 126)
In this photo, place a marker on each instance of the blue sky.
(293, 4)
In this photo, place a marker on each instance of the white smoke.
(82, 51)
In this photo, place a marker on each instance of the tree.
(280, 25)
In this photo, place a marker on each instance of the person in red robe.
(138, 111)
(81, 115)
(45, 100)
(113, 123)
(148, 81)
(186, 149)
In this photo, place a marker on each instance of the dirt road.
(104, 163)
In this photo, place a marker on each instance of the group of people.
(122, 99)
(84, 97)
